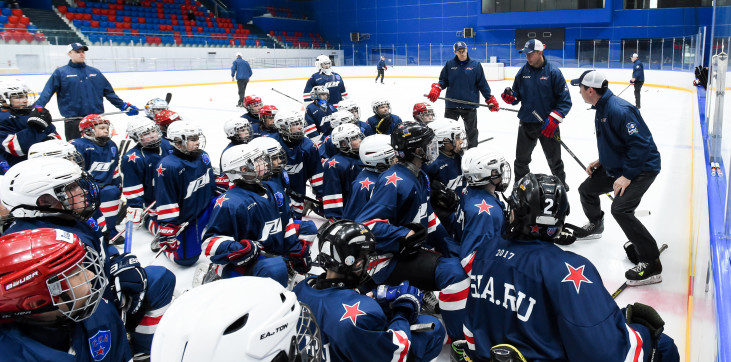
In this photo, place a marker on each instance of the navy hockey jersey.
(101, 337)
(313, 118)
(138, 167)
(447, 170)
(99, 161)
(183, 188)
(326, 147)
(360, 192)
(480, 218)
(333, 82)
(340, 172)
(17, 137)
(374, 120)
(278, 188)
(258, 131)
(252, 119)
(303, 164)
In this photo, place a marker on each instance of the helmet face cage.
(267, 114)
(87, 126)
(16, 92)
(489, 169)
(253, 104)
(432, 151)
(252, 168)
(148, 136)
(182, 135)
(341, 117)
(318, 91)
(287, 124)
(74, 292)
(423, 112)
(308, 343)
(84, 190)
(377, 103)
(234, 131)
(323, 64)
(277, 154)
(343, 138)
(155, 106)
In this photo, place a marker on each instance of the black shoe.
(645, 273)
(592, 230)
(632, 253)
(456, 353)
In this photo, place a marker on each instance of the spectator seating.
(16, 27)
(300, 40)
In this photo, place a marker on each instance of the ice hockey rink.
(669, 107)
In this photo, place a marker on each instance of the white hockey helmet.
(343, 137)
(154, 106)
(246, 319)
(319, 90)
(379, 101)
(341, 117)
(247, 163)
(182, 131)
(481, 166)
(275, 151)
(291, 125)
(448, 131)
(350, 106)
(376, 152)
(323, 64)
(42, 178)
(144, 131)
(55, 148)
(15, 88)
(234, 127)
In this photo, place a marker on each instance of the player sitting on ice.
(266, 126)
(18, 131)
(164, 119)
(55, 193)
(341, 170)
(155, 106)
(316, 114)
(246, 219)
(253, 104)
(382, 121)
(350, 106)
(51, 307)
(102, 163)
(238, 325)
(184, 187)
(139, 169)
(423, 112)
(303, 160)
(376, 155)
(524, 286)
(356, 327)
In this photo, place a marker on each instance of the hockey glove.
(249, 252)
(385, 294)
(384, 125)
(4, 167)
(168, 237)
(134, 214)
(300, 261)
(492, 103)
(551, 123)
(408, 304)
(508, 96)
(647, 316)
(385, 67)
(130, 109)
(436, 89)
(410, 245)
(130, 279)
(39, 119)
(222, 184)
(631, 82)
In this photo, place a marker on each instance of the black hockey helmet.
(414, 139)
(347, 248)
(540, 206)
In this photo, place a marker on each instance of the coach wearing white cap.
(628, 164)
(80, 91)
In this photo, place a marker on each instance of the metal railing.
(158, 64)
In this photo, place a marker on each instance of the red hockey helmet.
(43, 270)
(87, 123)
(420, 109)
(268, 111)
(250, 102)
(164, 118)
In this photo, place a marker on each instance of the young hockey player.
(266, 126)
(446, 168)
(327, 78)
(377, 156)
(356, 327)
(155, 106)
(184, 187)
(238, 131)
(317, 112)
(423, 112)
(253, 104)
(164, 119)
(382, 121)
(102, 163)
(341, 170)
(523, 286)
(350, 106)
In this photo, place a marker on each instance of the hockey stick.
(422, 327)
(620, 93)
(296, 194)
(624, 285)
(472, 103)
(144, 212)
(292, 98)
(157, 237)
(485, 140)
(168, 97)
(69, 119)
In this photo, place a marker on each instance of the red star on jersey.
(484, 207)
(366, 184)
(535, 229)
(352, 312)
(160, 169)
(333, 163)
(132, 157)
(393, 179)
(100, 352)
(220, 200)
(576, 276)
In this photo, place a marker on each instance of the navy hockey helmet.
(347, 248)
(413, 139)
(540, 207)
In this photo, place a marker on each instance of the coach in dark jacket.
(638, 77)
(241, 72)
(464, 78)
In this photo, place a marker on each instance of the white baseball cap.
(533, 45)
(634, 55)
(591, 79)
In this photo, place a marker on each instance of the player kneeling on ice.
(356, 327)
(246, 319)
(184, 187)
(51, 305)
(139, 169)
(246, 220)
(524, 287)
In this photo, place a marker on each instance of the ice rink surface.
(668, 113)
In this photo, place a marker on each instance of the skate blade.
(589, 237)
(651, 280)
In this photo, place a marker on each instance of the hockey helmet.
(55, 148)
(87, 127)
(347, 248)
(423, 112)
(343, 137)
(182, 133)
(481, 166)
(413, 139)
(318, 92)
(247, 163)
(341, 117)
(376, 152)
(377, 103)
(448, 131)
(350, 106)
(165, 118)
(238, 130)
(15, 91)
(267, 115)
(155, 106)
(144, 131)
(539, 205)
(275, 150)
(291, 125)
(252, 104)
(323, 64)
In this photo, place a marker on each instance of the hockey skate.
(592, 230)
(155, 245)
(204, 274)
(456, 353)
(431, 304)
(645, 273)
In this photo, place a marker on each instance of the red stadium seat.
(94, 24)
(24, 20)
(12, 20)
(69, 16)
(40, 36)
(63, 9)
(28, 37)
(17, 12)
